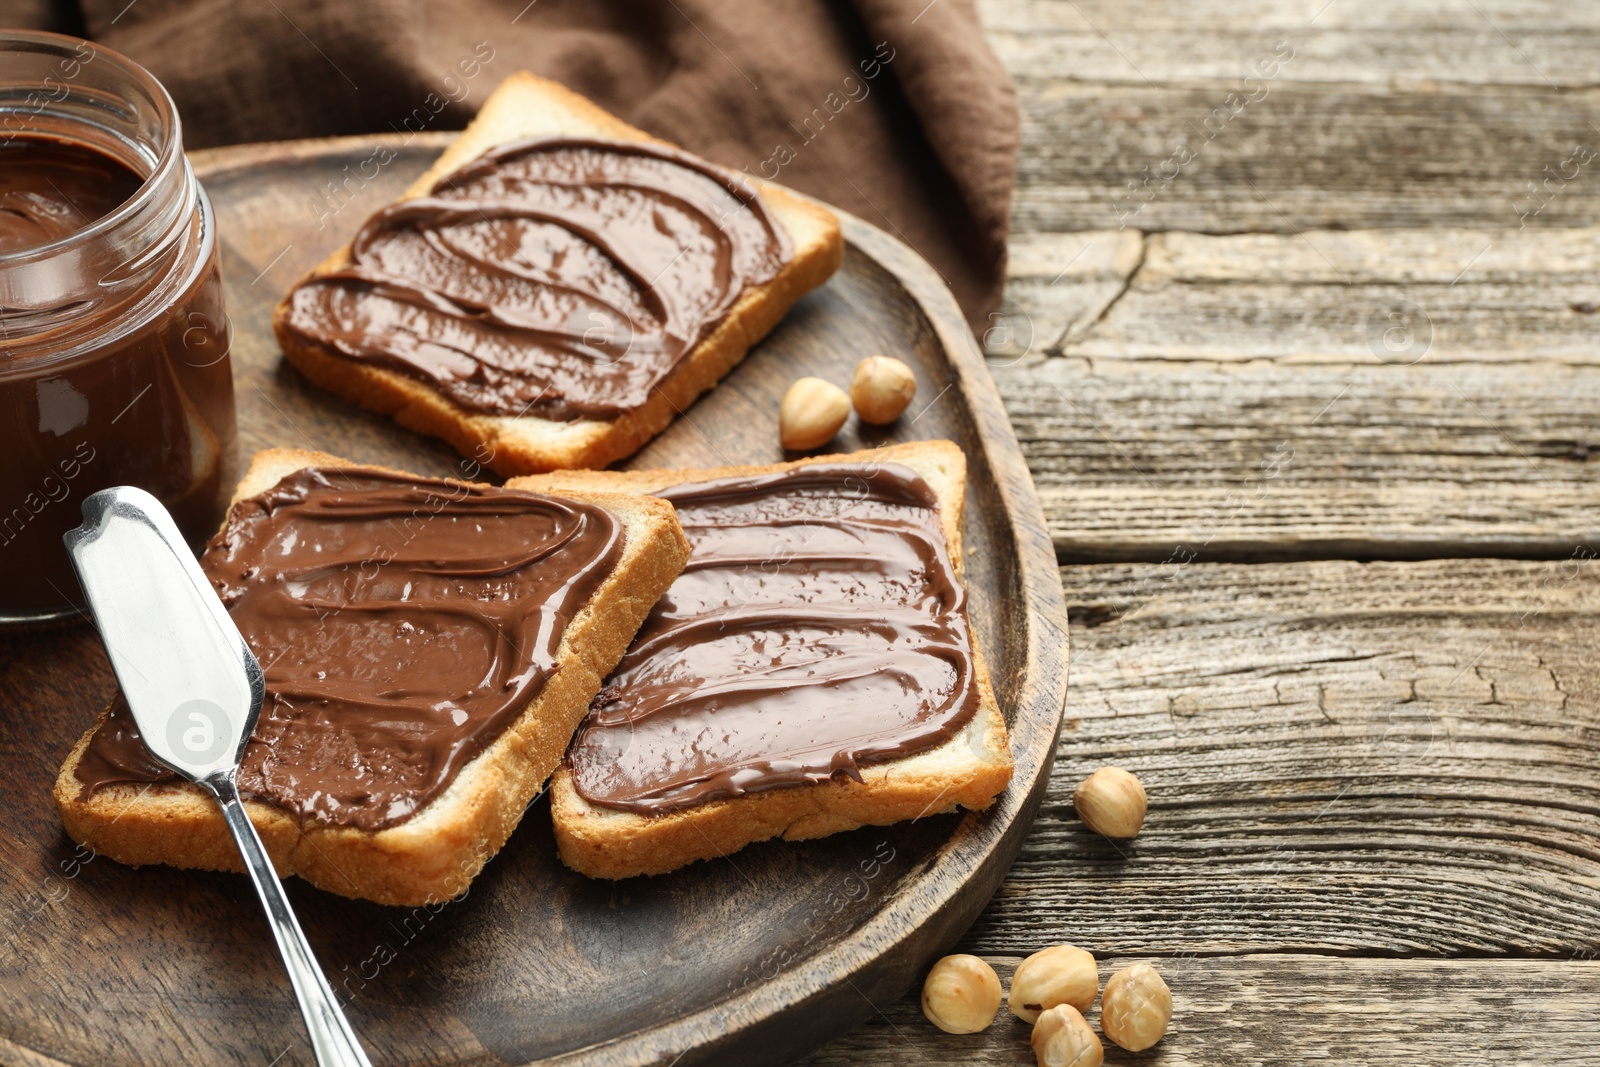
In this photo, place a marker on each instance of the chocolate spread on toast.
(819, 627)
(403, 624)
(563, 278)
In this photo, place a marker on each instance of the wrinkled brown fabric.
(895, 110)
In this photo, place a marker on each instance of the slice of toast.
(525, 106)
(436, 853)
(969, 770)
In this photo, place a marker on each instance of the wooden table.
(1315, 429)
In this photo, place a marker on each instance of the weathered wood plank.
(1305, 156)
(1058, 285)
(1157, 460)
(1243, 16)
(1358, 113)
(1274, 1010)
(1397, 296)
(1504, 42)
(1381, 759)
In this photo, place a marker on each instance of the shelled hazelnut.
(1111, 802)
(811, 413)
(1059, 975)
(961, 995)
(1062, 1038)
(1136, 1007)
(881, 389)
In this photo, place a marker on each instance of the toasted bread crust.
(435, 854)
(968, 771)
(522, 106)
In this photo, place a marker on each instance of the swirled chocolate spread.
(402, 623)
(818, 627)
(51, 189)
(562, 278)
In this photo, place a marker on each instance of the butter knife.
(195, 691)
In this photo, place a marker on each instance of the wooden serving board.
(756, 958)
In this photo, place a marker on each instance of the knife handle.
(332, 1039)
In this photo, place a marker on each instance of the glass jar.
(114, 365)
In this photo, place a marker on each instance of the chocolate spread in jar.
(50, 189)
(818, 627)
(402, 624)
(563, 278)
(114, 372)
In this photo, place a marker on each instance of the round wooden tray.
(756, 958)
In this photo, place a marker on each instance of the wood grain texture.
(1272, 1010)
(1382, 758)
(715, 963)
(1058, 288)
(1156, 460)
(1421, 452)
(1365, 114)
(1535, 43)
(1306, 157)
(1398, 297)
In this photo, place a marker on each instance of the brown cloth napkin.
(895, 110)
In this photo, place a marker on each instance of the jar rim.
(170, 159)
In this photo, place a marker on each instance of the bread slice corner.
(434, 855)
(525, 106)
(967, 771)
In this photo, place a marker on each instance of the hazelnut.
(1111, 802)
(811, 413)
(961, 995)
(1136, 1008)
(1059, 975)
(1062, 1038)
(881, 389)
